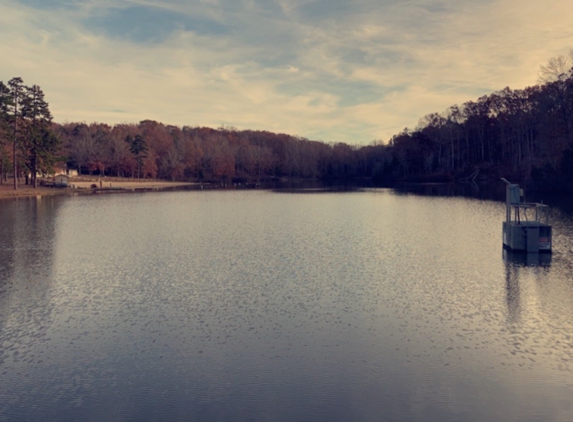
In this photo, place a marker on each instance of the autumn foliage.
(519, 134)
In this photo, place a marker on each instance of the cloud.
(141, 24)
(339, 71)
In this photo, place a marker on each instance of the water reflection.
(526, 259)
(27, 231)
(489, 191)
(514, 262)
(256, 306)
(27, 228)
(512, 290)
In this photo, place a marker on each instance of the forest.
(522, 134)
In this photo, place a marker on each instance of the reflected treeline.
(562, 203)
(313, 186)
(27, 230)
(487, 191)
(490, 191)
(27, 233)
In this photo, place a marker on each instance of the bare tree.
(557, 68)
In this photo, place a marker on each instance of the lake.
(365, 305)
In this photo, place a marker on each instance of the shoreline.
(81, 186)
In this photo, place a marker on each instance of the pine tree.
(14, 115)
(5, 101)
(39, 146)
(138, 148)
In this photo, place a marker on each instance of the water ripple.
(261, 306)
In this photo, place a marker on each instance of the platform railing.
(520, 212)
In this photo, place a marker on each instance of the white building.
(61, 180)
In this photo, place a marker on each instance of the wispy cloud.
(336, 70)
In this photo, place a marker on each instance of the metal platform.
(526, 226)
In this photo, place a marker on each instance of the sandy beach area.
(82, 184)
(7, 191)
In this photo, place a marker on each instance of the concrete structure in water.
(526, 225)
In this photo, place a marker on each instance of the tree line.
(520, 134)
(28, 146)
(152, 149)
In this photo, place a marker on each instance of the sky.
(353, 71)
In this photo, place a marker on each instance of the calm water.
(257, 305)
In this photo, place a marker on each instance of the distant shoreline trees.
(523, 134)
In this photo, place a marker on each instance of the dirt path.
(121, 184)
